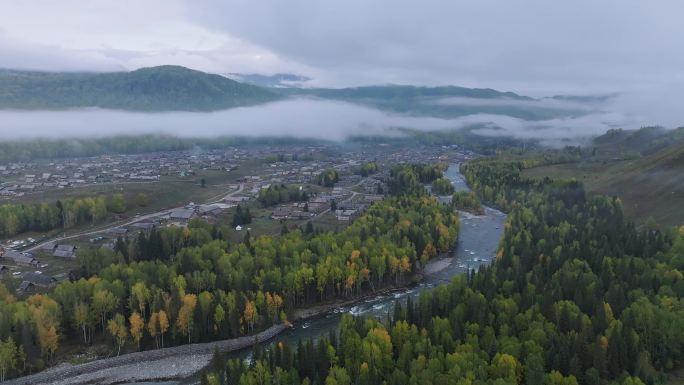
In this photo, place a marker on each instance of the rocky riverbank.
(169, 363)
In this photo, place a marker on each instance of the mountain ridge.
(161, 88)
(176, 88)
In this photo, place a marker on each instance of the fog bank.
(298, 118)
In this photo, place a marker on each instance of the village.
(37, 264)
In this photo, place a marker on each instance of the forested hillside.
(162, 88)
(576, 296)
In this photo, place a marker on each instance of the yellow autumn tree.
(249, 316)
(49, 341)
(45, 313)
(137, 326)
(185, 315)
(140, 295)
(163, 325)
(153, 327)
(444, 240)
(117, 329)
(429, 252)
(273, 304)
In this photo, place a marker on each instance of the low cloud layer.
(552, 132)
(546, 103)
(299, 118)
(293, 118)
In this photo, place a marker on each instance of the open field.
(168, 192)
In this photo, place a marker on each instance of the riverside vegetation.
(576, 295)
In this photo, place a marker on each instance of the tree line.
(442, 186)
(411, 178)
(241, 216)
(278, 194)
(368, 168)
(328, 177)
(40, 217)
(467, 201)
(294, 157)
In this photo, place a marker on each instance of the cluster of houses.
(349, 211)
(301, 172)
(181, 216)
(60, 250)
(18, 258)
(29, 280)
(345, 211)
(25, 259)
(22, 178)
(309, 209)
(293, 211)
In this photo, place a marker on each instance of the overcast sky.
(631, 48)
(529, 46)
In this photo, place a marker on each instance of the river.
(478, 242)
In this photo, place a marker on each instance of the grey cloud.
(552, 132)
(16, 54)
(533, 47)
(530, 45)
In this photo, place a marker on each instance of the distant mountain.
(601, 98)
(277, 80)
(162, 88)
(403, 92)
(174, 88)
(442, 102)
